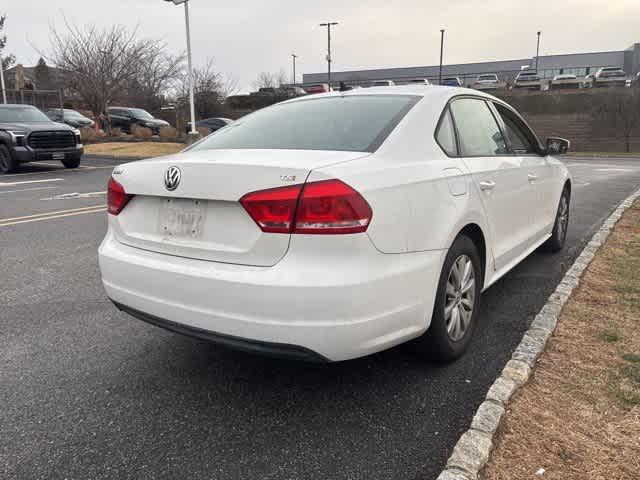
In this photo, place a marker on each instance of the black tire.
(439, 343)
(561, 224)
(71, 162)
(7, 164)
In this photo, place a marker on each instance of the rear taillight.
(318, 208)
(274, 209)
(117, 198)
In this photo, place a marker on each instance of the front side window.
(141, 114)
(357, 123)
(519, 138)
(446, 136)
(478, 132)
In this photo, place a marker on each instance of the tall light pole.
(4, 91)
(441, 52)
(191, 95)
(538, 50)
(329, 59)
(294, 56)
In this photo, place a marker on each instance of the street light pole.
(538, 51)
(191, 87)
(329, 59)
(4, 91)
(294, 56)
(441, 52)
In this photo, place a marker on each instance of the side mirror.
(557, 146)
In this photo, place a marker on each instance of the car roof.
(436, 93)
(16, 106)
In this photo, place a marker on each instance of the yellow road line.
(51, 215)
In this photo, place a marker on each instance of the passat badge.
(172, 178)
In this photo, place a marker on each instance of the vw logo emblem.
(172, 178)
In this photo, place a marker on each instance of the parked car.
(487, 81)
(610, 76)
(127, 118)
(28, 135)
(293, 92)
(566, 80)
(319, 88)
(309, 231)
(70, 117)
(382, 83)
(213, 124)
(589, 80)
(418, 81)
(452, 82)
(528, 79)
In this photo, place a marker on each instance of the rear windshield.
(357, 123)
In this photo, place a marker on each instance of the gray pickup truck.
(28, 135)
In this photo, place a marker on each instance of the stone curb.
(472, 452)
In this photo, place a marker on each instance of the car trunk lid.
(202, 217)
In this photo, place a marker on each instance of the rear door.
(498, 176)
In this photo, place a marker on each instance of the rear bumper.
(277, 350)
(307, 306)
(28, 154)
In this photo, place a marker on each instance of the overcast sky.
(250, 36)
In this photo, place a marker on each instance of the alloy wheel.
(459, 298)
(563, 217)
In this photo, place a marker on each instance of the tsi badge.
(172, 178)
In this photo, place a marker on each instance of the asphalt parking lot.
(89, 393)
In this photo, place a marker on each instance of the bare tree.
(270, 80)
(7, 59)
(620, 109)
(157, 74)
(99, 64)
(209, 87)
(264, 80)
(228, 86)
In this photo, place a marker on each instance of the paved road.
(86, 392)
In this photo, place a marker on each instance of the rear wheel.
(559, 234)
(456, 306)
(7, 164)
(71, 162)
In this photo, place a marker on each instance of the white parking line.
(57, 171)
(38, 217)
(27, 190)
(74, 195)
(26, 182)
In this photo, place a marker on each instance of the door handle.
(487, 185)
(532, 177)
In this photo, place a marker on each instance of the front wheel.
(7, 164)
(456, 305)
(71, 162)
(559, 234)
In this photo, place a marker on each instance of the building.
(580, 64)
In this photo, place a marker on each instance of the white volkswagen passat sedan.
(335, 226)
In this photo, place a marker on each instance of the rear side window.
(358, 123)
(478, 132)
(445, 136)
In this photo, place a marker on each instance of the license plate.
(57, 156)
(182, 218)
